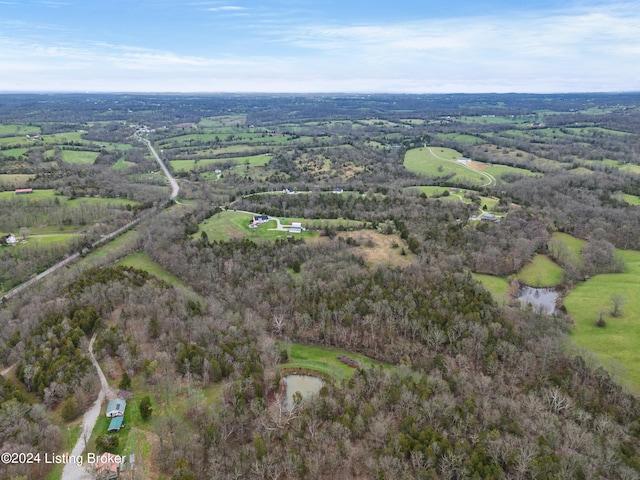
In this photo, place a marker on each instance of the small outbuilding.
(23, 191)
(11, 239)
(296, 227)
(115, 425)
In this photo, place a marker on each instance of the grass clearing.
(122, 163)
(497, 286)
(541, 272)
(618, 343)
(142, 261)
(379, 249)
(323, 360)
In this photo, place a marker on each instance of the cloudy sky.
(366, 46)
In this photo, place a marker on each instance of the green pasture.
(17, 141)
(438, 162)
(499, 171)
(142, 261)
(462, 138)
(618, 342)
(13, 129)
(497, 286)
(50, 240)
(15, 180)
(323, 360)
(36, 195)
(50, 194)
(630, 167)
(228, 225)
(456, 195)
(79, 157)
(121, 163)
(590, 131)
(574, 246)
(630, 199)
(541, 272)
(222, 121)
(65, 137)
(14, 152)
(253, 161)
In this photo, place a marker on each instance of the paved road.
(175, 188)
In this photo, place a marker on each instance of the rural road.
(175, 188)
(72, 471)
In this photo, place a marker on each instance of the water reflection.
(543, 300)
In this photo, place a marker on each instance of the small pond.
(543, 300)
(305, 384)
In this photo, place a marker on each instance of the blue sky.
(401, 46)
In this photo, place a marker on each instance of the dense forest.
(457, 383)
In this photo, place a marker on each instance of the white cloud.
(226, 8)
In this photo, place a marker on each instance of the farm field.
(440, 162)
(14, 152)
(79, 157)
(616, 344)
(188, 165)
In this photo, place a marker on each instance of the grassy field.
(14, 152)
(36, 195)
(618, 343)
(142, 261)
(227, 225)
(499, 171)
(630, 199)
(188, 165)
(573, 244)
(13, 181)
(18, 130)
(121, 163)
(323, 360)
(541, 272)
(79, 157)
(497, 286)
(456, 195)
(439, 162)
